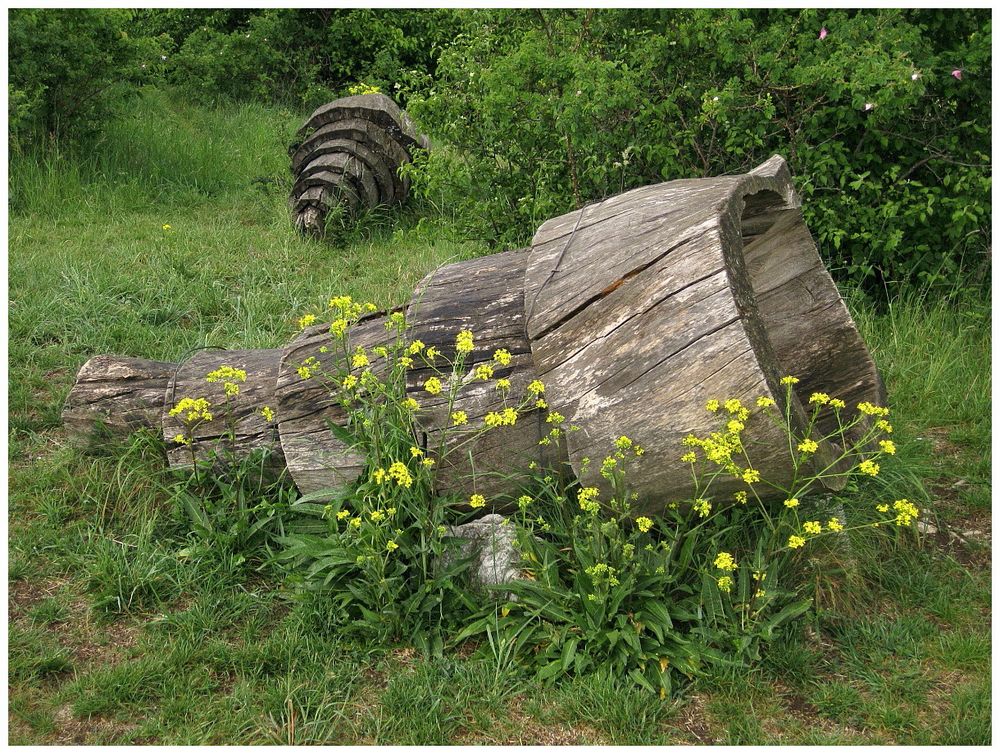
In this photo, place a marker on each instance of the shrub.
(885, 122)
(70, 69)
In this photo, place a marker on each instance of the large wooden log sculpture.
(349, 152)
(633, 311)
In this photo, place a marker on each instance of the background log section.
(240, 414)
(349, 153)
(642, 307)
(486, 296)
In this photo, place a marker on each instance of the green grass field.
(116, 637)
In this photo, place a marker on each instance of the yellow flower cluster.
(182, 439)
(229, 377)
(477, 501)
(349, 382)
(587, 498)
(432, 385)
(536, 387)
(906, 512)
(459, 418)
(268, 413)
(795, 542)
(724, 562)
(834, 525)
(765, 402)
(871, 409)
(503, 384)
(396, 472)
(194, 409)
(502, 357)
(725, 584)
(792, 502)
(644, 524)
(702, 507)
(483, 372)
(308, 368)
(306, 320)
(888, 446)
(820, 398)
(741, 497)
(415, 347)
(812, 527)
(808, 446)
(602, 571)
(505, 418)
(362, 88)
(463, 342)
(868, 467)
(410, 404)
(359, 359)
(789, 380)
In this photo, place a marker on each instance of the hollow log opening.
(809, 328)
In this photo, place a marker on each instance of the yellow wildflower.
(524, 501)
(360, 358)
(905, 512)
(765, 402)
(505, 418)
(477, 501)
(167, 227)
(194, 409)
(338, 327)
(463, 342)
(399, 473)
(724, 562)
(587, 498)
(644, 524)
(536, 387)
(432, 385)
(741, 497)
(734, 405)
(883, 508)
(868, 467)
(540, 403)
(502, 357)
(416, 452)
(884, 426)
(795, 542)
(871, 409)
(725, 584)
(268, 413)
(181, 440)
(342, 514)
(808, 446)
(483, 372)
(623, 443)
(712, 405)
(356, 523)
(888, 446)
(390, 546)
(689, 457)
(834, 525)
(789, 380)
(837, 403)
(702, 507)
(427, 462)
(410, 404)
(459, 417)
(306, 320)
(751, 475)
(349, 382)
(812, 527)
(820, 398)
(415, 347)
(379, 475)
(432, 353)
(503, 384)
(792, 502)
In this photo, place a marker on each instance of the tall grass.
(163, 151)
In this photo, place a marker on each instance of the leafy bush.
(70, 69)
(884, 117)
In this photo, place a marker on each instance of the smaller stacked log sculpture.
(633, 311)
(349, 154)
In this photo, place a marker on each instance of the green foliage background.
(534, 113)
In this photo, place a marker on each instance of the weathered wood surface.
(352, 150)
(641, 308)
(377, 108)
(239, 416)
(486, 296)
(633, 311)
(114, 396)
(316, 459)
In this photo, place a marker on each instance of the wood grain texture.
(239, 415)
(644, 306)
(485, 296)
(306, 407)
(354, 148)
(114, 396)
